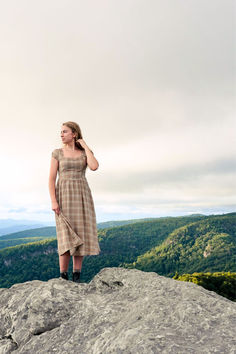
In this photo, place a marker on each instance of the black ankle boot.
(75, 277)
(64, 275)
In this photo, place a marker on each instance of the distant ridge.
(8, 226)
(17, 228)
(114, 223)
(42, 230)
(13, 227)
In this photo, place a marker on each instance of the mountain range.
(166, 245)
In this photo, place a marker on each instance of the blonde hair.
(75, 129)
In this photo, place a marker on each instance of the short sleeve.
(55, 154)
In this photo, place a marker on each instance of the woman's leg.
(64, 261)
(77, 263)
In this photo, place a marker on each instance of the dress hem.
(85, 254)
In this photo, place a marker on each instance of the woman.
(72, 200)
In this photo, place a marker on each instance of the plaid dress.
(76, 223)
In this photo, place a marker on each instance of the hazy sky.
(151, 84)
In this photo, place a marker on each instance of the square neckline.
(72, 158)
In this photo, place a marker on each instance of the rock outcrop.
(119, 311)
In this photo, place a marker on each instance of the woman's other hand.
(55, 207)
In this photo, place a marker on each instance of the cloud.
(183, 175)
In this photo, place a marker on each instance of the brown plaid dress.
(76, 224)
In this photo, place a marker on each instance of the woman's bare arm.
(91, 160)
(51, 184)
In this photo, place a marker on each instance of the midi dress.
(76, 225)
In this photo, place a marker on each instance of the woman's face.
(66, 134)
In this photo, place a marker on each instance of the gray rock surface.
(119, 311)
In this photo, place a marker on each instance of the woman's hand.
(82, 143)
(55, 207)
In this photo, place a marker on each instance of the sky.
(150, 83)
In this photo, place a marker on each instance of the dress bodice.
(70, 167)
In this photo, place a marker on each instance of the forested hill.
(165, 245)
(26, 236)
(201, 246)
